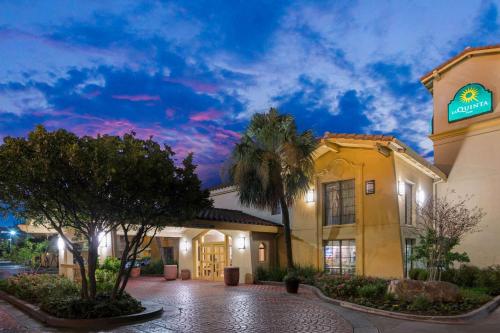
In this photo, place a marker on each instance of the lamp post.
(12, 233)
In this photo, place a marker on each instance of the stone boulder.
(433, 291)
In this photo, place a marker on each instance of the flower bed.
(372, 292)
(60, 297)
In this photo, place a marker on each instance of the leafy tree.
(29, 252)
(273, 165)
(442, 226)
(83, 187)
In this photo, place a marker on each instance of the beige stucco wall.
(483, 69)
(377, 227)
(468, 151)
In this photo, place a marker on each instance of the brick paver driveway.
(199, 306)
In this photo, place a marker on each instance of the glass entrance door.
(212, 261)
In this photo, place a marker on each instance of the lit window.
(262, 252)
(340, 203)
(340, 257)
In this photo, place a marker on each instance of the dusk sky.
(191, 73)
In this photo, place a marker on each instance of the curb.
(152, 311)
(478, 313)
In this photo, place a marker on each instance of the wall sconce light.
(420, 197)
(60, 243)
(310, 195)
(242, 243)
(186, 244)
(401, 187)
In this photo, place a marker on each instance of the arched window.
(262, 252)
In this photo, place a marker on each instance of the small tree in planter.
(442, 226)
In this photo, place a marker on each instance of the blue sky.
(191, 73)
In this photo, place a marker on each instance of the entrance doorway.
(212, 261)
(213, 253)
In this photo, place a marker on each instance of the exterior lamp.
(103, 237)
(12, 232)
(242, 243)
(310, 196)
(185, 246)
(420, 197)
(60, 243)
(401, 187)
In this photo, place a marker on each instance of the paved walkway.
(198, 306)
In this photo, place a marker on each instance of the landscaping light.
(310, 196)
(242, 243)
(60, 243)
(401, 188)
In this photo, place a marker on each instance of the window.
(408, 264)
(339, 203)
(262, 252)
(340, 257)
(276, 210)
(408, 203)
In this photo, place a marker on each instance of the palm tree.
(272, 165)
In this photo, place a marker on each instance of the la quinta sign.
(470, 101)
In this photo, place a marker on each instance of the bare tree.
(442, 226)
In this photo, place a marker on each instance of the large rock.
(433, 291)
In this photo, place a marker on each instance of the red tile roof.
(329, 135)
(234, 216)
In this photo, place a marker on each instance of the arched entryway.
(213, 253)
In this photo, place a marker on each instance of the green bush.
(111, 264)
(155, 267)
(466, 276)
(418, 274)
(348, 287)
(105, 279)
(420, 303)
(489, 279)
(375, 290)
(306, 274)
(60, 297)
(274, 274)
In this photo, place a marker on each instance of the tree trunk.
(85, 289)
(92, 264)
(288, 236)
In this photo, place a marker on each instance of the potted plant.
(135, 272)
(292, 281)
(170, 270)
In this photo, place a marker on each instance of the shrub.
(154, 267)
(105, 279)
(372, 291)
(306, 274)
(467, 275)
(420, 303)
(60, 297)
(111, 264)
(489, 279)
(347, 287)
(261, 274)
(418, 274)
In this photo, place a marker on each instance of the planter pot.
(135, 272)
(231, 276)
(185, 274)
(170, 272)
(292, 286)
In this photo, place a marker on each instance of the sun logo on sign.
(469, 95)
